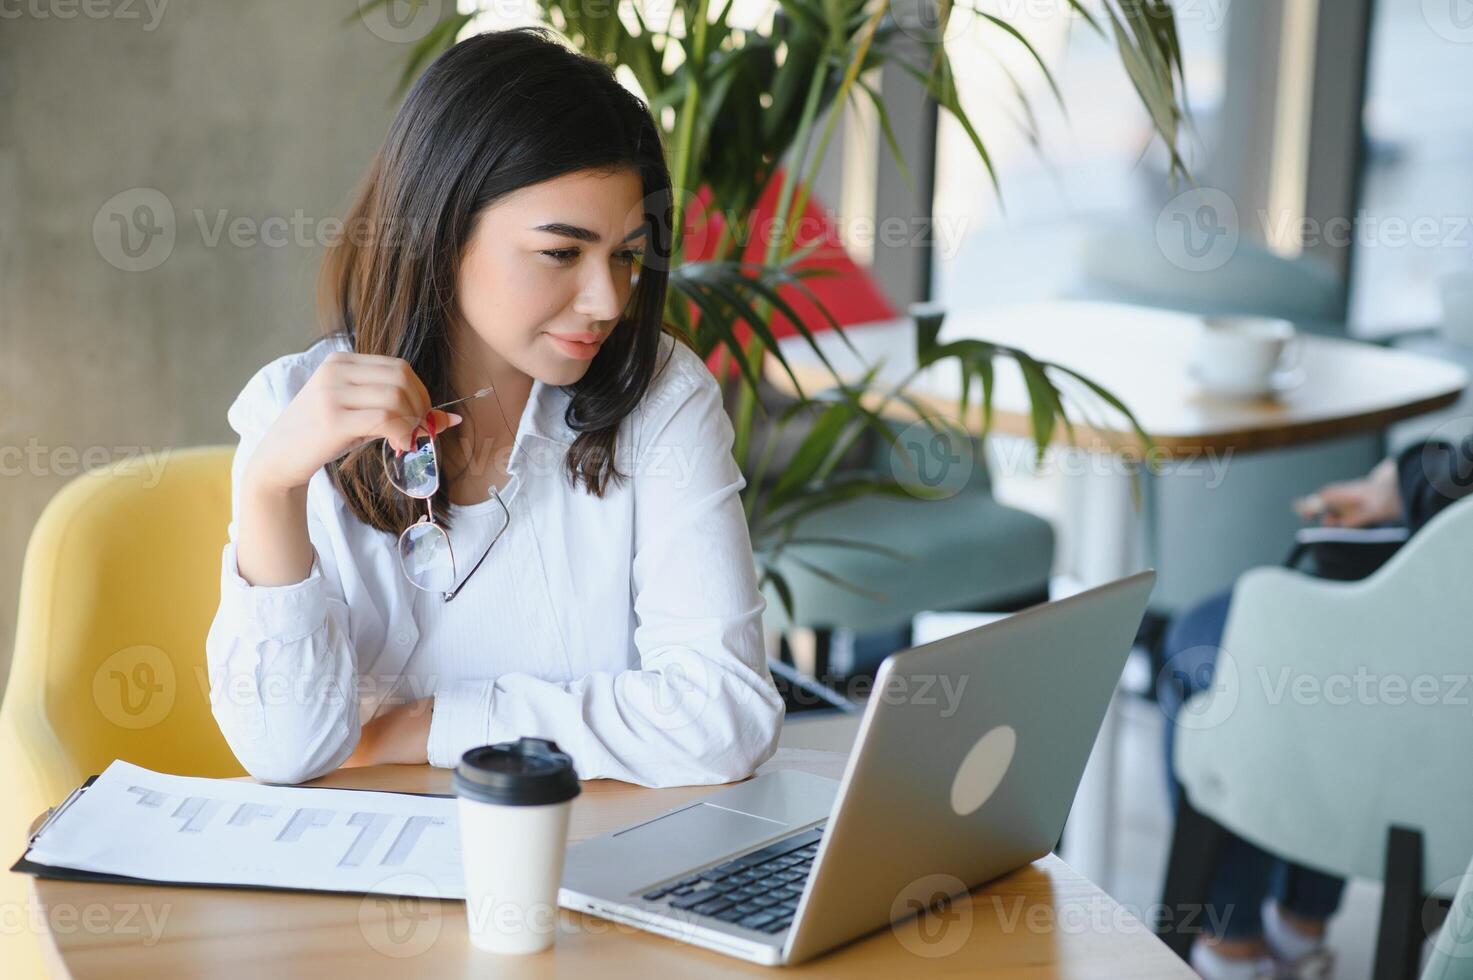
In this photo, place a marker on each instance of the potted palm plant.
(744, 108)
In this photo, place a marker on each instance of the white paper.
(133, 821)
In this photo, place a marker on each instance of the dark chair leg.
(1195, 845)
(823, 641)
(1399, 939)
(1151, 637)
(784, 650)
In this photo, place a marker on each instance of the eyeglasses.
(425, 555)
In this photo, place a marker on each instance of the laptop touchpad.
(696, 835)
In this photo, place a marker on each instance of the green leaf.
(1115, 403)
(783, 590)
(837, 580)
(814, 449)
(942, 88)
(869, 546)
(1028, 46)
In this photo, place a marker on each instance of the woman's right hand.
(350, 399)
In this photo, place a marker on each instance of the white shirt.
(627, 628)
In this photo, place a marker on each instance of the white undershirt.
(457, 638)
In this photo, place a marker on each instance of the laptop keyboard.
(757, 891)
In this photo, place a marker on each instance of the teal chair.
(964, 552)
(1290, 750)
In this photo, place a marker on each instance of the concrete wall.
(267, 109)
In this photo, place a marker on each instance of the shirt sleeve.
(1431, 475)
(701, 708)
(281, 665)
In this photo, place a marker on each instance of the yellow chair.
(120, 583)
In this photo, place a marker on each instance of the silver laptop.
(966, 763)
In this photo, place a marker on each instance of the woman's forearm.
(272, 546)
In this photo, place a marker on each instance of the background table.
(1144, 356)
(1044, 920)
(1349, 393)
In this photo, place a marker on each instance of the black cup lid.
(527, 772)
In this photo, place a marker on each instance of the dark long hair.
(495, 113)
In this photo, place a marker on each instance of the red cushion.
(848, 292)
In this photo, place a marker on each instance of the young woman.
(563, 555)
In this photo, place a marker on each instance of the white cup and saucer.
(1246, 357)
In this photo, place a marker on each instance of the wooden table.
(1044, 920)
(1143, 356)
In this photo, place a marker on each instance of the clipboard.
(54, 872)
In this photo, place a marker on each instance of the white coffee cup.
(1242, 354)
(515, 798)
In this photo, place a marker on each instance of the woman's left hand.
(399, 736)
